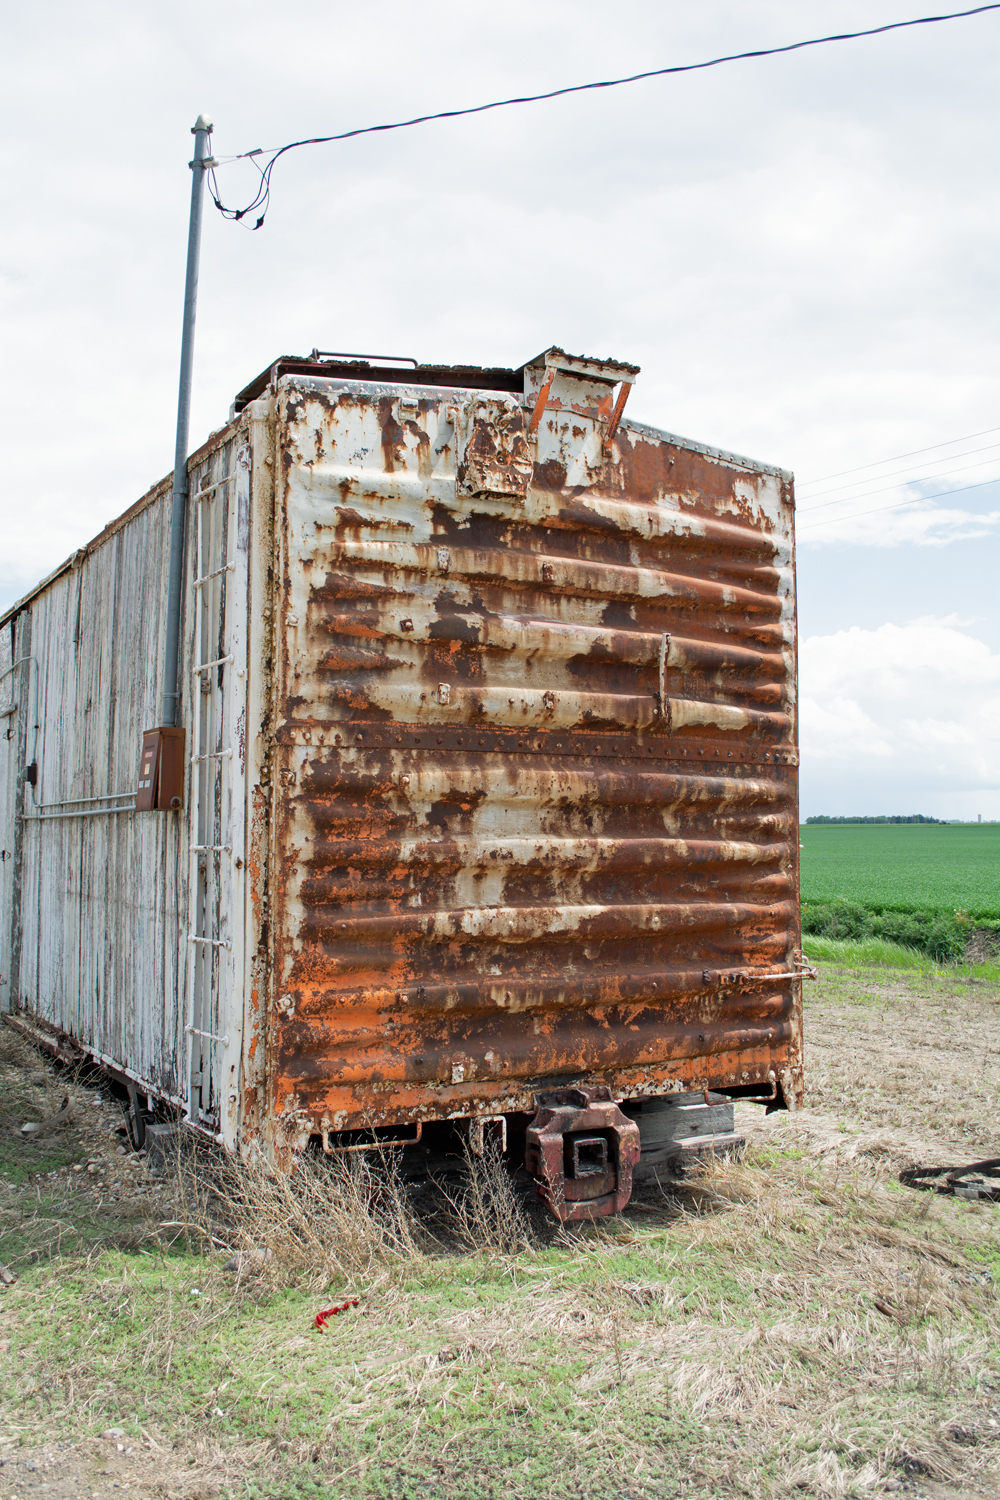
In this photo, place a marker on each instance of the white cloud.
(923, 523)
(905, 718)
(797, 250)
(839, 727)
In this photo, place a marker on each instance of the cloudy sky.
(799, 251)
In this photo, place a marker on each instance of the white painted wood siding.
(95, 941)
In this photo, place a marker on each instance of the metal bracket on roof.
(375, 359)
(543, 396)
(616, 415)
(606, 372)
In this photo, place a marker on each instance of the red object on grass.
(331, 1312)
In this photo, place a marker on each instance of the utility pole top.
(202, 123)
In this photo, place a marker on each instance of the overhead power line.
(261, 197)
(913, 453)
(832, 520)
(918, 479)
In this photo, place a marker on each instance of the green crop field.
(908, 866)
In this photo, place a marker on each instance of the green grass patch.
(444, 1358)
(54, 1223)
(904, 867)
(874, 952)
(862, 952)
(941, 935)
(20, 1160)
(637, 1359)
(724, 1339)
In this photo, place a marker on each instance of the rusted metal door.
(535, 784)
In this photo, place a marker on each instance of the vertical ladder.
(216, 817)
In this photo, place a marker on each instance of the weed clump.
(484, 1212)
(940, 935)
(343, 1218)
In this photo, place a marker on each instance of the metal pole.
(201, 130)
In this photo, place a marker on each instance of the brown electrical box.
(161, 771)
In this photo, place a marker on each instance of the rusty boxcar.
(488, 809)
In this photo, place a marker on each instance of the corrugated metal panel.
(536, 785)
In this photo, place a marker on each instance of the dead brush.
(338, 1219)
(484, 1212)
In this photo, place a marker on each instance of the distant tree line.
(913, 818)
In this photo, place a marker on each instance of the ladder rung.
(210, 1036)
(227, 568)
(220, 661)
(210, 489)
(193, 937)
(211, 848)
(213, 755)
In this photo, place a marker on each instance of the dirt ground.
(901, 1067)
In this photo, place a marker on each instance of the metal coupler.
(581, 1150)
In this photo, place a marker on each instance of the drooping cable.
(262, 196)
(915, 500)
(913, 453)
(881, 490)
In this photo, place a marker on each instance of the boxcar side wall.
(535, 763)
(95, 920)
(17, 681)
(98, 908)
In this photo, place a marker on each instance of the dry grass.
(485, 1213)
(914, 1056)
(793, 1324)
(348, 1220)
(343, 1219)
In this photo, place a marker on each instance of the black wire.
(913, 453)
(260, 200)
(877, 509)
(918, 479)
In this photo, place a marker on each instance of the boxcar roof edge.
(643, 429)
(361, 388)
(154, 492)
